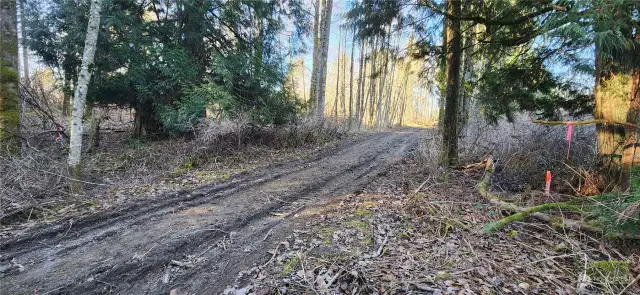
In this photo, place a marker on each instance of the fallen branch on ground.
(525, 212)
(587, 122)
(473, 166)
(520, 213)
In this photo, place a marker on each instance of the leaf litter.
(391, 238)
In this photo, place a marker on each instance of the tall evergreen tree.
(171, 59)
(616, 93)
(449, 147)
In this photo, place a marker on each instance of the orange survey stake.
(547, 189)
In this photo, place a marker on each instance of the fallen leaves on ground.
(385, 241)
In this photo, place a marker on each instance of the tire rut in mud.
(338, 171)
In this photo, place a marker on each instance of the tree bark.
(25, 50)
(9, 79)
(145, 122)
(324, 54)
(316, 56)
(344, 78)
(94, 132)
(614, 101)
(449, 148)
(442, 83)
(353, 41)
(468, 75)
(384, 68)
(66, 98)
(372, 82)
(80, 96)
(335, 103)
(26, 77)
(631, 143)
(360, 89)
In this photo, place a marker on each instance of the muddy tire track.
(128, 251)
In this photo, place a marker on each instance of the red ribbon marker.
(569, 132)
(547, 189)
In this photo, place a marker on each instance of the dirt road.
(195, 241)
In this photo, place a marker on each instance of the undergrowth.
(35, 185)
(617, 213)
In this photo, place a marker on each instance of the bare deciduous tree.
(80, 96)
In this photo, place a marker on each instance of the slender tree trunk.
(66, 98)
(468, 76)
(442, 83)
(9, 79)
(94, 132)
(26, 76)
(383, 50)
(335, 104)
(449, 148)
(304, 85)
(324, 40)
(404, 103)
(79, 98)
(25, 50)
(360, 85)
(353, 43)
(372, 82)
(344, 78)
(390, 86)
(363, 93)
(388, 105)
(313, 105)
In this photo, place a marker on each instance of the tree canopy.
(167, 58)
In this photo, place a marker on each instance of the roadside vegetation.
(525, 179)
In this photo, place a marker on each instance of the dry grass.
(123, 168)
(525, 151)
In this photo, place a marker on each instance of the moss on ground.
(609, 274)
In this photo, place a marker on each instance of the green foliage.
(258, 87)
(525, 85)
(290, 265)
(371, 17)
(610, 274)
(136, 143)
(615, 213)
(186, 112)
(175, 58)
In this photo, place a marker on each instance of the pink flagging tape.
(569, 133)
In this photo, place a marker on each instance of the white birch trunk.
(80, 96)
(25, 50)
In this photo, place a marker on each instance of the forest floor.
(194, 239)
(368, 215)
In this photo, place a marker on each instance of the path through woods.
(209, 233)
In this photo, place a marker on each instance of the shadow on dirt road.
(195, 241)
